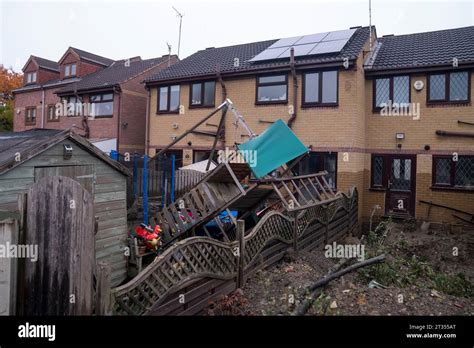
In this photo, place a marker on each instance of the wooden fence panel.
(201, 268)
(60, 221)
(8, 265)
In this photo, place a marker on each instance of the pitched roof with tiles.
(92, 57)
(46, 63)
(117, 73)
(424, 49)
(207, 62)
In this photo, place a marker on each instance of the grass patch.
(417, 271)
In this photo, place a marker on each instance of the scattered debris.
(375, 284)
(322, 282)
(416, 263)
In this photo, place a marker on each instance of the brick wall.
(133, 110)
(83, 68)
(418, 133)
(352, 129)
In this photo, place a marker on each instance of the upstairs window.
(30, 116)
(31, 77)
(73, 106)
(449, 87)
(272, 89)
(103, 105)
(320, 88)
(70, 70)
(202, 94)
(391, 90)
(168, 99)
(51, 112)
(453, 174)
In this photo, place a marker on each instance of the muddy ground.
(428, 270)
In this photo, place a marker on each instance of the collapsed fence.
(197, 270)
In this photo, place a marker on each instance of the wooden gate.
(60, 221)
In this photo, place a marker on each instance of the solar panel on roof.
(339, 35)
(328, 47)
(300, 50)
(313, 38)
(313, 44)
(269, 53)
(289, 41)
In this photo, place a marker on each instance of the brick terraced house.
(392, 116)
(78, 78)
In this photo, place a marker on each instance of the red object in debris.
(149, 236)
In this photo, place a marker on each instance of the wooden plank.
(103, 288)
(323, 178)
(299, 192)
(175, 213)
(62, 232)
(283, 200)
(290, 193)
(198, 201)
(308, 190)
(169, 219)
(315, 189)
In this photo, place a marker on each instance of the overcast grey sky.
(121, 29)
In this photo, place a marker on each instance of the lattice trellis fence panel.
(202, 257)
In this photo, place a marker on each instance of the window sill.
(377, 189)
(30, 123)
(103, 116)
(201, 106)
(276, 102)
(164, 113)
(445, 103)
(327, 105)
(53, 120)
(452, 189)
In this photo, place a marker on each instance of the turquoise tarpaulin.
(276, 146)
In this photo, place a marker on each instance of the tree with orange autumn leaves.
(9, 80)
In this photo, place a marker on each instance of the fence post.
(145, 189)
(135, 174)
(102, 304)
(295, 232)
(241, 255)
(22, 229)
(173, 161)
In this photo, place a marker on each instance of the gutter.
(119, 124)
(42, 107)
(413, 69)
(147, 122)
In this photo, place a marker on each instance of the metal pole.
(145, 189)
(135, 174)
(224, 104)
(173, 161)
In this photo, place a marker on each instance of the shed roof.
(33, 142)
